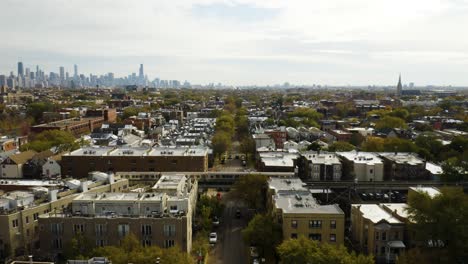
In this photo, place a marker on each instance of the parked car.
(238, 213)
(216, 221)
(213, 238)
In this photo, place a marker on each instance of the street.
(230, 248)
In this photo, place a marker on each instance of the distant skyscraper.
(20, 69)
(75, 67)
(3, 80)
(399, 87)
(62, 73)
(142, 75)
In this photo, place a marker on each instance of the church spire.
(399, 86)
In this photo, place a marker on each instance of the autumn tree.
(259, 228)
(251, 189)
(440, 223)
(62, 140)
(303, 250)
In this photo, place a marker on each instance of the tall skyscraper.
(3, 80)
(75, 67)
(141, 73)
(20, 69)
(62, 73)
(399, 87)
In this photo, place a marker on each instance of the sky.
(243, 42)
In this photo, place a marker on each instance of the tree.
(431, 143)
(390, 122)
(130, 111)
(373, 144)
(341, 146)
(37, 109)
(259, 228)
(131, 251)
(251, 189)
(314, 146)
(453, 171)
(303, 250)
(62, 140)
(221, 142)
(79, 247)
(442, 218)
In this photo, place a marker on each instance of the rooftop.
(361, 157)
(375, 213)
(402, 158)
(431, 191)
(322, 158)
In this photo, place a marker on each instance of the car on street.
(238, 213)
(213, 238)
(216, 221)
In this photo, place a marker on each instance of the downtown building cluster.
(26, 77)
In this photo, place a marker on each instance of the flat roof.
(130, 196)
(129, 152)
(431, 191)
(170, 181)
(402, 157)
(361, 157)
(375, 213)
(68, 122)
(322, 158)
(398, 208)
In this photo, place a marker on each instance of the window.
(174, 161)
(315, 224)
(376, 235)
(384, 236)
(56, 228)
(333, 224)
(146, 229)
(396, 235)
(294, 223)
(100, 229)
(332, 237)
(169, 230)
(101, 243)
(78, 228)
(27, 219)
(123, 229)
(317, 237)
(382, 250)
(14, 223)
(57, 243)
(371, 171)
(169, 243)
(294, 235)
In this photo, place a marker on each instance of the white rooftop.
(361, 157)
(375, 213)
(431, 191)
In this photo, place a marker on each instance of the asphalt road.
(230, 248)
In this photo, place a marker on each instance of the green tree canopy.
(221, 142)
(441, 218)
(250, 189)
(63, 140)
(259, 228)
(131, 251)
(390, 122)
(303, 250)
(341, 146)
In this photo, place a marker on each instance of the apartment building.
(404, 166)
(20, 209)
(299, 213)
(162, 217)
(379, 230)
(361, 166)
(319, 166)
(79, 163)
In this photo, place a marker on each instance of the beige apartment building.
(300, 215)
(162, 217)
(79, 163)
(20, 210)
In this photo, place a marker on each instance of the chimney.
(84, 186)
(30, 259)
(111, 178)
(53, 195)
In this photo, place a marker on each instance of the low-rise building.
(162, 217)
(403, 166)
(362, 166)
(19, 219)
(12, 166)
(378, 231)
(301, 215)
(319, 166)
(79, 163)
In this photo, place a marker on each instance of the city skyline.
(244, 42)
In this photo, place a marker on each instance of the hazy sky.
(336, 42)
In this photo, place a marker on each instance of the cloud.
(342, 41)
